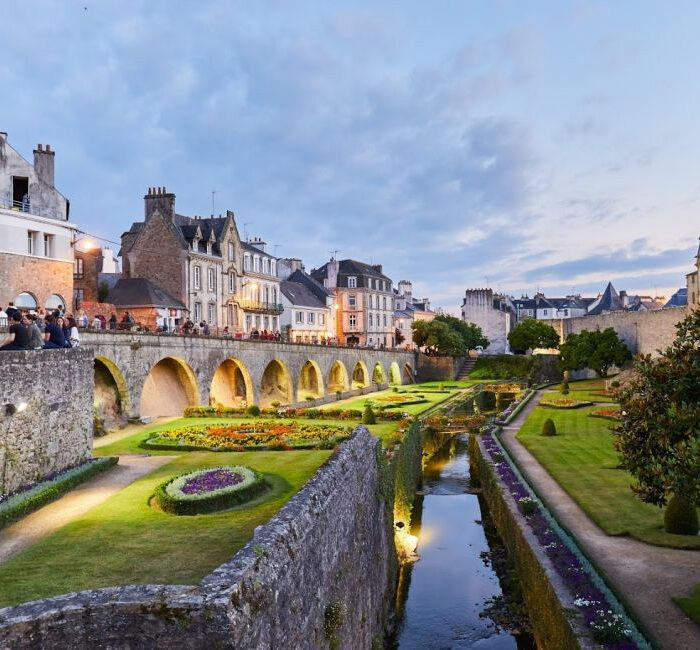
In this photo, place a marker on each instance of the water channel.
(458, 595)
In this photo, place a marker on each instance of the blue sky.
(515, 144)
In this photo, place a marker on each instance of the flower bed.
(286, 412)
(514, 408)
(602, 615)
(33, 496)
(209, 490)
(249, 436)
(564, 403)
(607, 414)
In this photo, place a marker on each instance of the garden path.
(128, 430)
(47, 520)
(647, 577)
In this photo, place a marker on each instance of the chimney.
(44, 164)
(377, 267)
(158, 198)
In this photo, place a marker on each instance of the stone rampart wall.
(437, 368)
(45, 413)
(328, 550)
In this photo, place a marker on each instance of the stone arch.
(170, 386)
(276, 384)
(378, 374)
(110, 403)
(338, 378)
(360, 376)
(232, 385)
(310, 382)
(26, 300)
(394, 374)
(54, 301)
(408, 373)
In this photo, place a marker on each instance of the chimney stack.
(44, 164)
(158, 198)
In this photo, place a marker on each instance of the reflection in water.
(441, 597)
(486, 402)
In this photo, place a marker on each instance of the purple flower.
(210, 481)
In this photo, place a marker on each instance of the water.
(441, 597)
(486, 402)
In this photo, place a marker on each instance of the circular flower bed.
(608, 414)
(209, 490)
(251, 435)
(564, 404)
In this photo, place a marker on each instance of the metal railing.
(28, 207)
(260, 306)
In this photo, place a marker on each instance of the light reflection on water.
(440, 597)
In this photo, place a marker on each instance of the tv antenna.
(334, 254)
(213, 194)
(245, 230)
(276, 246)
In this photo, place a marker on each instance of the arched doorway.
(276, 385)
(310, 381)
(110, 403)
(408, 374)
(231, 385)
(169, 387)
(394, 374)
(360, 376)
(26, 300)
(378, 374)
(338, 378)
(54, 301)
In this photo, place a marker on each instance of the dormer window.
(352, 282)
(256, 264)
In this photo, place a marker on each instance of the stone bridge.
(155, 375)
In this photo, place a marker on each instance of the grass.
(690, 604)
(125, 541)
(504, 366)
(582, 459)
(584, 390)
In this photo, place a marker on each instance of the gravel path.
(646, 576)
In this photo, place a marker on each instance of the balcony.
(260, 307)
(28, 207)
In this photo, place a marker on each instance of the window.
(197, 312)
(267, 265)
(78, 269)
(352, 321)
(212, 314)
(325, 282)
(299, 317)
(266, 323)
(352, 282)
(352, 301)
(321, 319)
(47, 245)
(232, 282)
(20, 192)
(544, 312)
(274, 295)
(371, 320)
(230, 252)
(273, 267)
(384, 304)
(211, 279)
(246, 262)
(256, 264)
(30, 242)
(248, 322)
(197, 279)
(78, 297)
(384, 320)
(310, 318)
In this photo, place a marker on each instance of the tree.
(531, 334)
(447, 335)
(102, 291)
(398, 337)
(471, 334)
(595, 350)
(658, 433)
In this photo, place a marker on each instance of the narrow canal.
(460, 593)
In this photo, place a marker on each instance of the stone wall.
(330, 548)
(437, 368)
(644, 332)
(45, 413)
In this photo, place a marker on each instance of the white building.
(260, 295)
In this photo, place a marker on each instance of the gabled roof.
(141, 292)
(312, 285)
(609, 301)
(350, 267)
(300, 295)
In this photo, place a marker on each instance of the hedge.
(19, 504)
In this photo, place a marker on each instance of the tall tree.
(658, 433)
(531, 334)
(595, 350)
(471, 334)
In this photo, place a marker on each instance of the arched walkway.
(360, 376)
(310, 381)
(276, 385)
(408, 374)
(110, 404)
(169, 387)
(338, 378)
(231, 385)
(378, 374)
(394, 374)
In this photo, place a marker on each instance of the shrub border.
(174, 506)
(47, 491)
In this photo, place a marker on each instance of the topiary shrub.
(564, 387)
(368, 416)
(275, 404)
(548, 428)
(615, 384)
(253, 410)
(681, 516)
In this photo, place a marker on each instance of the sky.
(461, 144)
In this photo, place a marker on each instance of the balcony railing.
(260, 307)
(28, 207)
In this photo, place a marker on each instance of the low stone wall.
(45, 413)
(315, 576)
(437, 368)
(546, 598)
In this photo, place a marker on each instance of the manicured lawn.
(584, 390)
(691, 604)
(126, 541)
(583, 461)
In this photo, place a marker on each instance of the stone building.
(493, 313)
(408, 309)
(541, 307)
(260, 295)
(309, 314)
(90, 264)
(364, 299)
(147, 303)
(36, 238)
(693, 282)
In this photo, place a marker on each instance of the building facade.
(407, 310)
(693, 282)
(36, 238)
(90, 264)
(308, 315)
(493, 313)
(260, 299)
(364, 299)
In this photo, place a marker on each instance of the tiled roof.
(609, 301)
(141, 292)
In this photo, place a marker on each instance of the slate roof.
(678, 299)
(141, 292)
(609, 301)
(350, 267)
(254, 249)
(300, 295)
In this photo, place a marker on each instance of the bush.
(275, 404)
(681, 516)
(564, 387)
(253, 410)
(527, 506)
(309, 398)
(368, 416)
(548, 428)
(503, 366)
(395, 389)
(614, 384)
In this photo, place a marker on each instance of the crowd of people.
(41, 330)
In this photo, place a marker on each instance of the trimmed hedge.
(204, 504)
(19, 504)
(398, 405)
